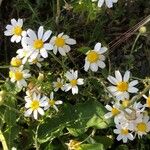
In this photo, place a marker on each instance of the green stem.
(37, 146)
(2, 139)
(132, 49)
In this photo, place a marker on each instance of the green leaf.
(77, 119)
(91, 147)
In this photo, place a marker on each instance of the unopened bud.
(142, 29)
(40, 77)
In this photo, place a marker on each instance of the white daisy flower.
(24, 53)
(37, 43)
(19, 76)
(142, 127)
(123, 133)
(16, 62)
(34, 105)
(147, 100)
(94, 58)
(109, 3)
(114, 111)
(36, 61)
(15, 30)
(59, 84)
(72, 76)
(51, 102)
(122, 87)
(62, 43)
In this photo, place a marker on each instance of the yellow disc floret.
(35, 105)
(17, 30)
(51, 102)
(115, 111)
(16, 62)
(93, 56)
(59, 42)
(18, 75)
(38, 44)
(73, 82)
(124, 131)
(122, 86)
(142, 127)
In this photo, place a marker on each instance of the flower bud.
(142, 29)
(40, 77)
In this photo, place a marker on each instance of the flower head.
(37, 43)
(62, 43)
(94, 58)
(15, 30)
(72, 76)
(19, 76)
(123, 133)
(122, 87)
(59, 84)
(34, 105)
(16, 62)
(109, 3)
(51, 102)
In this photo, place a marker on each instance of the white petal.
(109, 3)
(35, 114)
(80, 81)
(43, 53)
(97, 47)
(100, 3)
(40, 32)
(70, 41)
(112, 80)
(55, 50)
(118, 75)
(18, 39)
(55, 107)
(46, 35)
(13, 22)
(108, 107)
(48, 46)
(103, 50)
(126, 76)
(67, 48)
(28, 112)
(101, 64)
(52, 95)
(94, 67)
(40, 110)
(74, 90)
(132, 90)
(20, 22)
(58, 102)
(108, 115)
(9, 27)
(13, 38)
(61, 51)
(8, 33)
(67, 87)
(31, 34)
(133, 83)
(112, 88)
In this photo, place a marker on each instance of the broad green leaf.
(76, 119)
(91, 147)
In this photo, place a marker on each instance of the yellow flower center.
(73, 145)
(18, 75)
(35, 105)
(59, 42)
(148, 102)
(124, 131)
(115, 111)
(93, 56)
(59, 84)
(73, 82)
(125, 103)
(17, 30)
(15, 62)
(122, 86)
(51, 102)
(142, 127)
(38, 44)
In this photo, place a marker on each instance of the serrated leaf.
(82, 116)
